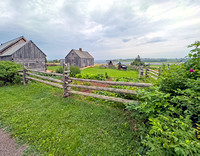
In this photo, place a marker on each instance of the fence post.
(140, 72)
(146, 74)
(68, 80)
(64, 82)
(159, 70)
(24, 75)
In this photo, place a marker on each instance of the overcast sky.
(108, 29)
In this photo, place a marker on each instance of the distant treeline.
(53, 61)
(153, 60)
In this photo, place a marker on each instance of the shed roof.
(82, 54)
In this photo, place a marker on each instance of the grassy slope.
(111, 72)
(38, 115)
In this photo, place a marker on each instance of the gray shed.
(79, 58)
(23, 51)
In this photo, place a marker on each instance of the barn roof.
(82, 54)
(13, 49)
(5, 45)
(10, 47)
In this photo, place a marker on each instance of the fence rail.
(152, 73)
(65, 81)
(114, 83)
(148, 72)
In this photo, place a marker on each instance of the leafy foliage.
(73, 70)
(171, 110)
(194, 62)
(172, 136)
(138, 62)
(8, 73)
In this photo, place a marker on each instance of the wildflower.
(191, 70)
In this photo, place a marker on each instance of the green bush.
(9, 73)
(171, 110)
(59, 70)
(172, 136)
(73, 70)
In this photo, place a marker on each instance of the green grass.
(155, 66)
(53, 67)
(111, 72)
(38, 115)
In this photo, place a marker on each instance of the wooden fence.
(148, 72)
(152, 73)
(65, 81)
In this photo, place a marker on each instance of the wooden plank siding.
(79, 58)
(24, 52)
(31, 56)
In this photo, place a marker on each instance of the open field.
(38, 115)
(111, 72)
(53, 67)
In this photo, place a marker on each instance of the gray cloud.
(103, 27)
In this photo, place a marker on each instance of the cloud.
(108, 29)
(126, 40)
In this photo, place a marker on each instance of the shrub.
(59, 70)
(73, 70)
(9, 73)
(172, 136)
(171, 110)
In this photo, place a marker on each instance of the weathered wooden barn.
(25, 52)
(79, 58)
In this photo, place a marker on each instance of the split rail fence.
(148, 72)
(152, 73)
(64, 83)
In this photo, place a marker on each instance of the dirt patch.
(86, 67)
(99, 84)
(8, 146)
(50, 71)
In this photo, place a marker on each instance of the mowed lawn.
(111, 72)
(38, 115)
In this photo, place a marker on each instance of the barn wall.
(5, 58)
(87, 62)
(31, 56)
(73, 59)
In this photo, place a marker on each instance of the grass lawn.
(53, 67)
(111, 72)
(38, 115)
